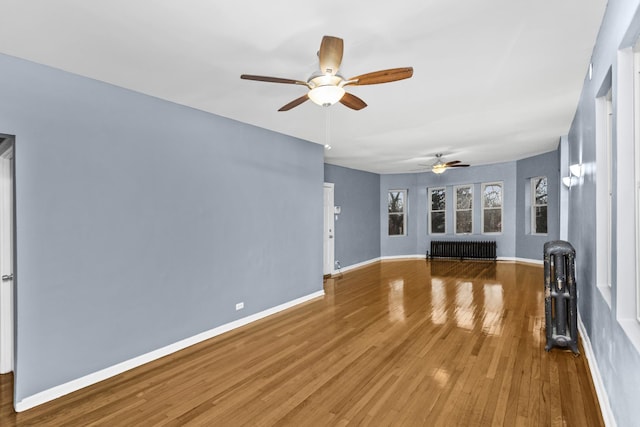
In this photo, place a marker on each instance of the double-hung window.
(539, 202)
(437, 210)
(492, 207)
(464, 209)
(397, 204)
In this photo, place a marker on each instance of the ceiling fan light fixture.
(326, 95)
(439, 168)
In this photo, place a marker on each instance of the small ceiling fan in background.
(326, 87)
(440, 165)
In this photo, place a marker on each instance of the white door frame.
(328, 252)
(6, 256)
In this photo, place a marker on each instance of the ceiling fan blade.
(453, 162)
(382, 76)
(272, 79)
(458, 166)
(294, 103)
(352, 102)
(330, 54)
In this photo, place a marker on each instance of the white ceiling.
(494, 80)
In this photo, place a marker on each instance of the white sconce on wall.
(576, 172)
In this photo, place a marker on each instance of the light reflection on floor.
(438, 301)
(396, 301)
(475, 303)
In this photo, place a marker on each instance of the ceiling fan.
(440, 165)
(326, 87)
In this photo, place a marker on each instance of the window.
(604, 190)
(492, 207)
(635, 142)
(437, 210)
(397, 203)
(464, 209)
(539, 205)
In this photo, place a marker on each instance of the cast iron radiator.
(560, 298)
(463, 249)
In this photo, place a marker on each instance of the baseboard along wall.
(79, 383)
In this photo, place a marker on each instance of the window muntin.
(463, 215)
(492, 207)
(437, 210)
(397, 203)
(539, 204)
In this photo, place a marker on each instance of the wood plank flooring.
(397, 343)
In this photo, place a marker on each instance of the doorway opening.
(329, 246)
(7, 258)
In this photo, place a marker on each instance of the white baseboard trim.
(77, 384)
(421, 256)
(373, 260)
(357, 265)
(399, 257)
(603, 399)
(522, 260)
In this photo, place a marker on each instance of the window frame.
(456, 210)
(484, 209)
(431, 211)
(604, 188)
(636, 169)
(403, 213)
(534, 205)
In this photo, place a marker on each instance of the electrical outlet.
(239, 306)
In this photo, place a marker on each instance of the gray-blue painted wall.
(617, 358)
(357, 228)
(141, 222)
(418, 240)
(528, 245)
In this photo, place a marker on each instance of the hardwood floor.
(394, 343)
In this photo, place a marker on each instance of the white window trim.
(604, 180)
(635, 140)
(482, 208)
(430, 203)
(455, 209)
(627, 190)
(404, 212)
(534, 205)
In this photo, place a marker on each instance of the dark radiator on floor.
(560, 295)
(462, 249)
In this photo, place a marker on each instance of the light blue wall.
(618, 360)
(357, 231)
(417, 240)
(528, 245)
(141, 222)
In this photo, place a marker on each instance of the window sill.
(631, 328)
(605, 292)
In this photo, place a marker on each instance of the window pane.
(437, 222)
(463, 222)
(396, 201)
(492, 220)
(541, 219)
(396, 224)
(438, 199)
(464, 197)
(492, 196)
(541, 191)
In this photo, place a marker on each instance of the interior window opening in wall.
(539, 201)
(437, 210)
(604, 189)
(397, 203)
(463, 209)
(492, 207)
(636, 142)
